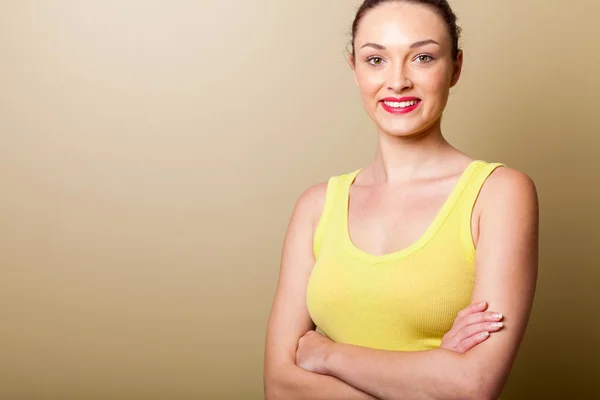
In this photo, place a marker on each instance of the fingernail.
(483, 303)
(497, 315)
(497, 324)
(484, 334)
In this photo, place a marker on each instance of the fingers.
(473, 314)
(473, 318)
(479, 328)
(475, 334)
(473, 308)
(472, 326)
(488, 316)
(471, 342)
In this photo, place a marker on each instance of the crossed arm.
(300, 365)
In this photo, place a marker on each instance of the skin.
(410, 177)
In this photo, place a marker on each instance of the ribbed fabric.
(406, 300)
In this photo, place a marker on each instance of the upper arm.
(289, 319)
(506, 263)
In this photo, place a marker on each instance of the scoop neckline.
(425, 238)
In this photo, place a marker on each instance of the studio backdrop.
(151, 153)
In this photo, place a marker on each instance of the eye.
(424, 58)
(375, 60)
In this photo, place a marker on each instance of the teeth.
(401, 104)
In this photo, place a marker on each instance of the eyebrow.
(412, 46)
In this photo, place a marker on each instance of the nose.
(398, 79)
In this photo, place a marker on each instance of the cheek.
(369, 82)
(436, 82)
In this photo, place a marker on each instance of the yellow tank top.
(406, 300)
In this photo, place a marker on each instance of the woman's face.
(403, 67)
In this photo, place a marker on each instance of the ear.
(351, 62)
(457, 68)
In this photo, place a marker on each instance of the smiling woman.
(401, 264)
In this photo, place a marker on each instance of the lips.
(402, 105)
(400, 99)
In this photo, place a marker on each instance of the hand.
(312, 351)
(471, 327)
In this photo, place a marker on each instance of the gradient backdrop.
(151, 153)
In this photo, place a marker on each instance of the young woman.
(383, 259)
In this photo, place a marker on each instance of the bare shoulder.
(311, 201)
(508, 188)
(314, 196)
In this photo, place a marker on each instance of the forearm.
(293, 383)
(421, 375)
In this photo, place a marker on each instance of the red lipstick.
(400, 110)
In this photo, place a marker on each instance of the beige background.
(151, 153)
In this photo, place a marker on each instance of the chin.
(402, 128)
(401, 132)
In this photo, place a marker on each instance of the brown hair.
(441, 7)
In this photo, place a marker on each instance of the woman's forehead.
(400, 23)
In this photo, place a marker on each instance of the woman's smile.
(402, 105)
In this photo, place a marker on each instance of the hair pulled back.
(440, 7)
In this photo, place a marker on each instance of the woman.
(382, 259)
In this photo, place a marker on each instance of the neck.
(402, 159)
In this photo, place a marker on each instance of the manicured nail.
(484, 334)
(483, 303)
(497, 316)
(497, 324)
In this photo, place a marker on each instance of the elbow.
(272, 392)
(472, 382)
(276, 391)
(274, 384)
(467, 379)
(269, 389)
(488, 392)
(481, 395)
(477, 381)
(479, 388)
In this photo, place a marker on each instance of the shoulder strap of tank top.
(335, 186)
(468, 200)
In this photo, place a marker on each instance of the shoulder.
(300, 235)
(310, 202)
(313, 197)
(509, 192)
(509, 184)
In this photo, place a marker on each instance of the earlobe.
(353, 67)
(455, 77)
(457, 69)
